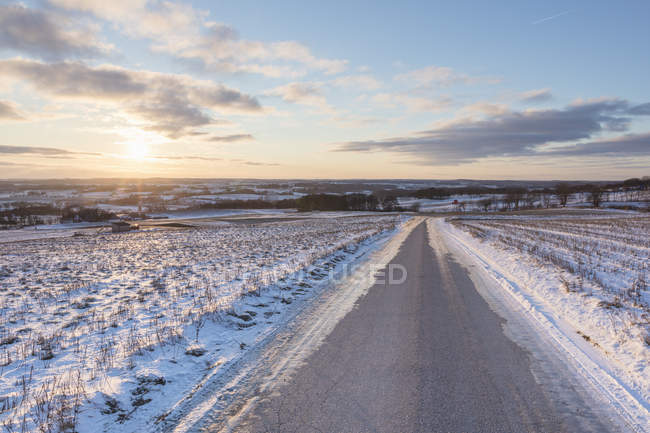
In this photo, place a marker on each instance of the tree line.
(316, 202)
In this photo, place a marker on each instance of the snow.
(213, 213)
(563, 273)
(117, 208)
(48, 231)
(113, 329)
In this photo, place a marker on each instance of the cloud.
(171, 116)
(303, 93)
(186, 33)
(514, 134)
(13, 164)
(9, 111)
(641, 110)
(626, 145)
(363, 82)
(253, 163)
(534, 96)
(442, 76)
(110, 10)
(257, 164)
(45, 35)
(42, 151)
(169, 104)
(310, 93)
(232, 138)
(348, 120)
(187, 157)
(412, 103)
(488, 108)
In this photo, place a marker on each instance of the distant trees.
(353, 202)
(389, 203)
(28, 214)
(433, 193)
(642, 183)
(562, 192)
(531, 198)
(328, 202)
(362, 202)
(90, 214)
(313, 202)
(596, 196)
(485, 204)
(514, 198)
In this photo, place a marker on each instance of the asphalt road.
(426, 355)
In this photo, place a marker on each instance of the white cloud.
(9, 111)
(537, 95)
(47, 35)
(361, 82)
(303, 93)
(182, 31)
(412, 103)
(483, 107)
(170, 104)
(441, 75)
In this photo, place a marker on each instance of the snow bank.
(544, 266)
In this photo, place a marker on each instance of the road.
(426, 355)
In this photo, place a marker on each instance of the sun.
(137, 150)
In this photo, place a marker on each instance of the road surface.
(426, 355)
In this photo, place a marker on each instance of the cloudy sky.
(302, 89)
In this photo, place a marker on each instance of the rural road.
(426, 355)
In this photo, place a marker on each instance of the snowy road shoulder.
(230, 392)
(508, 280)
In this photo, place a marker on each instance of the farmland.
(590, 272)
(608, 255)
(79, 313)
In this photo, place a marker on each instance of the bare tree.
(562, 192)
(596, 196)
(514, 198)
(531, 198)
(485, 204)
(545, 200)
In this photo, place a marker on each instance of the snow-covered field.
(106, 331)
(584, 276)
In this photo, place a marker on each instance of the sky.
(307, 89)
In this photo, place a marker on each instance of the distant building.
(122, 226)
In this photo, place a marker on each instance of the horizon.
(338, 91)
(314, 179)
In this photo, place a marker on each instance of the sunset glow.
(138, 151)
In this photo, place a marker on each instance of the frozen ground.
(108, 331)
(208, 213)
(583, 281)
(48, 231)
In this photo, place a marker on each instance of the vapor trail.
(550, 18)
